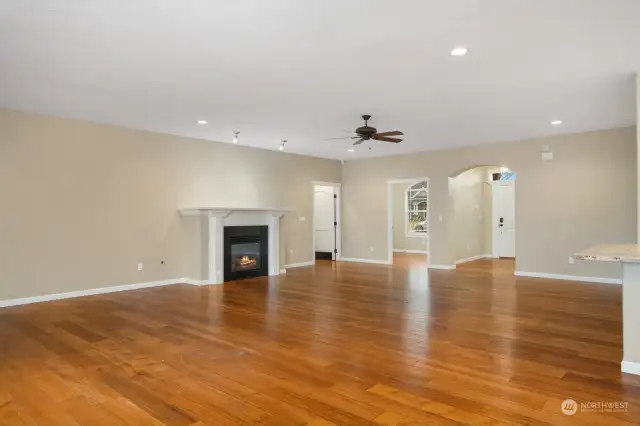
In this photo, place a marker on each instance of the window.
(503, 176)
(417, 209)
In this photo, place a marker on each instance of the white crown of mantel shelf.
(225, 211)
(237, 216)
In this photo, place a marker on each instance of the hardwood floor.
(343, 343)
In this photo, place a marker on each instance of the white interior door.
(504, 219)
(324, 219)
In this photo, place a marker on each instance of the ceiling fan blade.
(384, 139)
(358, 142)
(393, 133)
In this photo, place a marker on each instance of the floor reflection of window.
(418, 296)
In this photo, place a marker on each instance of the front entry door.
(504, 219)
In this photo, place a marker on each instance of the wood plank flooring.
(334, 344)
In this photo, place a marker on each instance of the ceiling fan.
(367, 132)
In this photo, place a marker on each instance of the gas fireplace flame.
(246, 260)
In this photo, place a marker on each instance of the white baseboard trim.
(114, 289)
(351, 259)
(445, 267)
(90, 292)
(300, 265)
(569, 277)
(410, 251)
(197, 282)
(471, 259)
(631, 367)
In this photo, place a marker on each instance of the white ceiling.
(305, 70)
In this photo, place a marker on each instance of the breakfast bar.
(629, 256)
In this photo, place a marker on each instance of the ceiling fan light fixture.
(367, 133)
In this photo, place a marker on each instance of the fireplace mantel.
(194, 211)
(218, 217)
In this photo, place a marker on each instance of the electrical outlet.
(372, 248)
(139, 266)
(440, 218)
(290, 251)
(572, 260)
(468, 246)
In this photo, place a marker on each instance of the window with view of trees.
(417, 200)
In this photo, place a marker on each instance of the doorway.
(483, 221)
(408, 221)
(326, 223)
(503, 218)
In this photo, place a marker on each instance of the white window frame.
(408, 232)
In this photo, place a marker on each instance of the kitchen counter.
(624, 253)
(628, 255)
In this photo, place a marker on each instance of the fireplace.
(246, 252)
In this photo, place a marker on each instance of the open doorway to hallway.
(326, 223)
(409, 221)
(484, 220)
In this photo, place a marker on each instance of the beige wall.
(586, 196)
(487, 206)
(466, 191)
(400, 239)
(631, 293)
(82, 203)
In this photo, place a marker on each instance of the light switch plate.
(547, 156)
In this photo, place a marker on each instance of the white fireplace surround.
(219, 217)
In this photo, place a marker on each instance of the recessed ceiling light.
(556, 122)
(351, 150)
(459, 51)
(202, 121)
